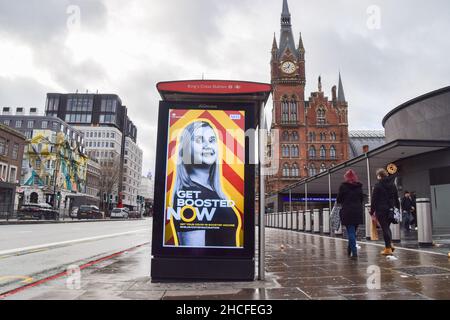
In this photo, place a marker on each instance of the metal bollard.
(289, 220)
(326, 220)
(301, 220)
(308, 220)
(316, 224)
(368, 221)
(395, 231)
(424, 223)
(295, 220)
(279, 222)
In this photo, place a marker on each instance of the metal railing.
(318, 221)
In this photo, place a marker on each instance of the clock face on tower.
(288, 67)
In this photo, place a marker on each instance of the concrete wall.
(415, 172)
(427, 118)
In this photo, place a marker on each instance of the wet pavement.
(300, 266)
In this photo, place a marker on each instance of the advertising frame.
(231, 263)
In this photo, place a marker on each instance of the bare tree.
(110, 173)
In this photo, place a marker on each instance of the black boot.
(349, 251)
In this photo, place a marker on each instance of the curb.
(31, 222)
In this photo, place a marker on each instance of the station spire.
(341, 95)
(287, 42)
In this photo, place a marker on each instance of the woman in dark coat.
(385, 199)
(351, 198)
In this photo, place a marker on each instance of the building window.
(30, 124)
(284, 111)
(38, 164)
(3, 147)
(321, 116)
(6, 122)
(109, 105)
(294, 151)
(12, 174)
(285, 151)
(112, 135)
(294, 136)
(323, 152)
(28, 134)
(312, 170)
(333, 152)
(295, 171)
(323, 167)
(286, 170)
(285, 136)
(44, 124)
(3, 171)
(15, 151)
(293, 113)
(312, 136)
(107, 118)
(312, 152)
(333, 136)
(18, 123)
(323, 136)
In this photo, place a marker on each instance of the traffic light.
(58, 196)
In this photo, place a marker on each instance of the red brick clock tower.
(313, 133)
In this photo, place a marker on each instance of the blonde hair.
(186, 162)
(382, 173)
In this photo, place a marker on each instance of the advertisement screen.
(204, 179)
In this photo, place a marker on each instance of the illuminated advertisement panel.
(205, 179)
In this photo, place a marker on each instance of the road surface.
(32, 252)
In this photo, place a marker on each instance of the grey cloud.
(22, 92)
(37, 21)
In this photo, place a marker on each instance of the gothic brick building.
(310, 135)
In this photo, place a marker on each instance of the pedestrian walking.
(384, 200)
(407, 210)
(350, 198)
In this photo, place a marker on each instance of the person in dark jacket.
(350, 198)
(407, 208)
(384, 200)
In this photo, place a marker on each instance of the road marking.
(64, 273)
(365, 243)
(25, 279)
(57, 244)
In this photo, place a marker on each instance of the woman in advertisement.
(207, 217)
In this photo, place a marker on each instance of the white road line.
(55, 244)
(366, 243)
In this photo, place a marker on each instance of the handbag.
(335, 217)
(394, 215)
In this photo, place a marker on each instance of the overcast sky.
(126, 47)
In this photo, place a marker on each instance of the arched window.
(285, 151)
(294, 151)
(285, 136)
(293, 114)
(323, 167)
(294, 171)
(284, 111)
(312, 170)
(323, 152)
(312, 136)
(312, 152)
(333, 152)
(321, 116)
(333, 136)
(295, 136)
(286, 170)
